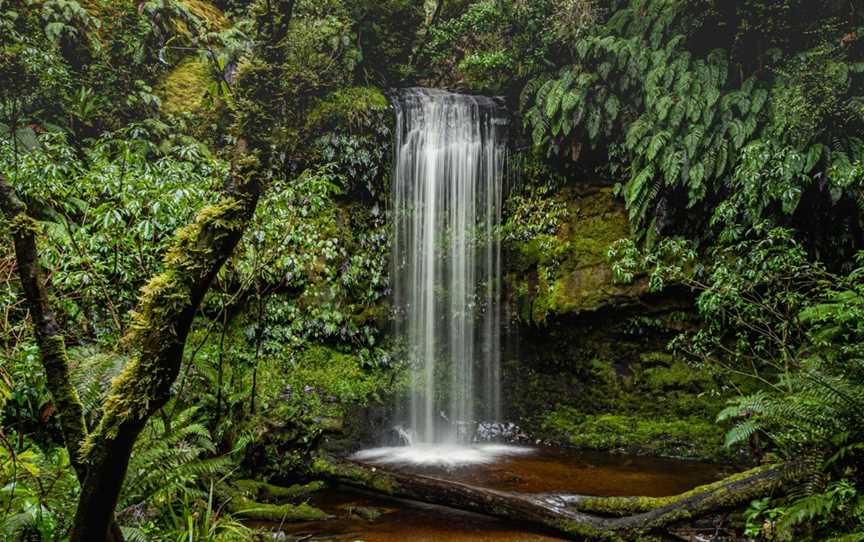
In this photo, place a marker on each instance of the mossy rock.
(369, 513)
(568, 273)
(184, 88)
(675, 437)
(262, 491)
(256, 511)
(258, 501)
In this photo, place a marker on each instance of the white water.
(439, 455)
(446, 194)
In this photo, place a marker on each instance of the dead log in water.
(578, 517)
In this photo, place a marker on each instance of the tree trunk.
(49, 337)
(593, 518)
(158, 333)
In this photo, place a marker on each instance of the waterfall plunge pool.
(373, 518)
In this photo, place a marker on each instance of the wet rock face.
(587, 357)
(566, 271)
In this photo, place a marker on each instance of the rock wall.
(587, 363)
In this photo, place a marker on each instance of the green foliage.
(108, 217)
(333, 273)
(272, 97)
(680, 123)
(351, 130)
(169, 463)
(37, 493)
(387, 32)
(774, 316)
(490, 45)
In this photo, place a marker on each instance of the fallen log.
(576, 516)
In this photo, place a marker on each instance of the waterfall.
(447, 191)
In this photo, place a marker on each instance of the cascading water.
(447, 193)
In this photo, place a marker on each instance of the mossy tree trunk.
(49, 337)
(166, 308)
(158, 334)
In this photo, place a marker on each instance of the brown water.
(557, 470)
(546, 470)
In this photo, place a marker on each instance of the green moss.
(184, 88)
(251, 499)
(569, 269)
(676, 375)
(147, 378)
(350, 108)
(586, 532)
(340, 375)
(626, 506)
(208, 13)
(679, 437)
(262, 491)
(252, 510)
(378, 480)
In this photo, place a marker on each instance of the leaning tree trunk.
(49, 335)
(592, 518)
(158, 333)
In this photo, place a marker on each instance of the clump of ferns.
(171, 462)
(174, 457)
(819, 427)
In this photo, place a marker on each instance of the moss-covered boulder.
(562, 268)
(591, 369)
(606, 383)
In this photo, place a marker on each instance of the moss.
(184, 88)
(252, 510)
(207, 12)
(350, 108)
(340, 375)
(147, 378)
(675, 375)
(626, 506)
(23, 223)
(679, 437)
(372, 478)
(255, 500)
(262, 491)
(586, 532)
(570, 267)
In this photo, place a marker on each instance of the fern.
(169, 464)
(92, 371)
